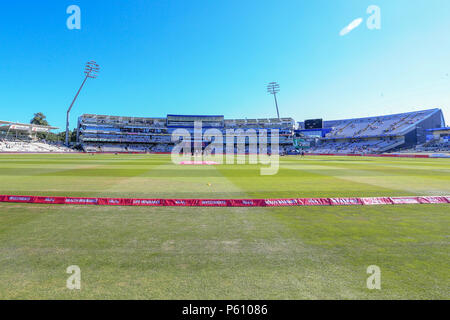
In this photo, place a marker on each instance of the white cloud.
(353, 25)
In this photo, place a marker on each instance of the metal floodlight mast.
(90, 70)
(274, 88)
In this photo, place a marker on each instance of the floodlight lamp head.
(273, 88)
(91, 69)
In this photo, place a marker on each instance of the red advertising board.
(225, 202)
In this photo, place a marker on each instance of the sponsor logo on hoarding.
(375, 201)
(344, 201)
(15, 198)
(432, 200)
(315, 202)
(404, 200)
(75, 200)
(282, 202)
(150, 201)
(218, 202)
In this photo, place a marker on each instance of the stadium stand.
(377, 134)
(418, 131)
(31, 147)
(437, 140)
(101, 133)
(21, 137)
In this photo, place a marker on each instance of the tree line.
(41, 120)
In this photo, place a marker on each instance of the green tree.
(73, 135)
(52, 137)
(61, 136)
(39, 119)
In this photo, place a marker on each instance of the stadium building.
(373, 134)
(102, 133)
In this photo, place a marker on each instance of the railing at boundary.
(227, 202)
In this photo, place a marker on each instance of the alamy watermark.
(374, 280)
(258, 150)
(373, 21)
(74, 20)
(74, 281)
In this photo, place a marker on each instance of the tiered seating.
(370, 146)
(30, 146)
(119, 148)
(373, 134)
(435, 145)
(377, 126)
(100, 133)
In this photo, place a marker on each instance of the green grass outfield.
(223, 253)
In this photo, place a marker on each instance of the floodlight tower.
(90, 70)
(274, 88)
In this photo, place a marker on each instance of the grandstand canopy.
(174, 120)
(23, 128)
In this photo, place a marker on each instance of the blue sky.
(216, 57)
